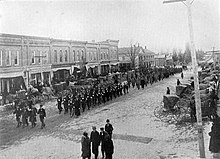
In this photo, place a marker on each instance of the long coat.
(86, 147)
(214, 144)
(108, 146)
(95, 139)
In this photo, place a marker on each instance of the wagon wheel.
(161, 113)
(180, 110)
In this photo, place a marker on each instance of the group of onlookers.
(103, 138)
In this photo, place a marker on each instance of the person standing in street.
(59, 103)
(86, 146)
(109, 128)
(182, 75)
(168, 90)
(95, 140)
(103, 135)
(42, 115)
(18, 113)
(108, 147)
(33, 115)
(214, 144)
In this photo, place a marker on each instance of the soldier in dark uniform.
(42, 115)
(33, 115)
(121, 89)
(71, 105)
(103, 135)
(25, 114)
(59, 104)
(83, 101)
(103, 95)
(77, 106)
(65, 103)
(18, 112)
(88, 100)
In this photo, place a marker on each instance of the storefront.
(61, 73)
(92, 69)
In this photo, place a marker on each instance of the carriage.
(172, 108)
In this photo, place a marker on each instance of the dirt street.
(137, 134)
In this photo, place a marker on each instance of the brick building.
(30, 59)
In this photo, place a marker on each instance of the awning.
(92, 65)
(11, 74)
(114, 63)
(61, 68)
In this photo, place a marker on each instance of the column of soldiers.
(26, 113)
(78, 100)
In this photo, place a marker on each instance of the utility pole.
(196, 80)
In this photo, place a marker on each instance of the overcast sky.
(159, 26)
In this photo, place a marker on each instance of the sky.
(160, 27)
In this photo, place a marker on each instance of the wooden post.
(196, 84)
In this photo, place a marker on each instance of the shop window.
(1, 57)
(16, 61)
(61, 56)
(66, 56)
(8, 57)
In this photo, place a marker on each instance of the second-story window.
(94, 54)
(16, 58)
(33, 57)
(55, 56)
(101, 56)
(8, 57)
(39, 57)
(45, 57)
(78, 55)
(66, 56)
(1, 57)
(74, 56)
(61, 56)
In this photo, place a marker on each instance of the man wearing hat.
(103, 135)
(95, 140)
(109, 128)
(42, 115)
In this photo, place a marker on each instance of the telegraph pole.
(196, 80)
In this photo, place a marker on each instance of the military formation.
(77, 101)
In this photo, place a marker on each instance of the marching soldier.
(65, 103)
(59, 104)
(18, 113)
(71, 105)
(77, 106)
(42, 115)
(33, 115)
(25, 114)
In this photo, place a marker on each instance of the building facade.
(27, 59)
(141, 57)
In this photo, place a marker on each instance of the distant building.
(160, 60)
(137, 56)
(169, 60)
(28, 60)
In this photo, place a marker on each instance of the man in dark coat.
(95, 139)
(18, 113)
(214, 145)
(86, 146)
(103, 135)
(142, 82)
(59, 103)
(77, 107)
(109, 128)
(42, 115)
(33, 115)
(65, 103)
(108, 147)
